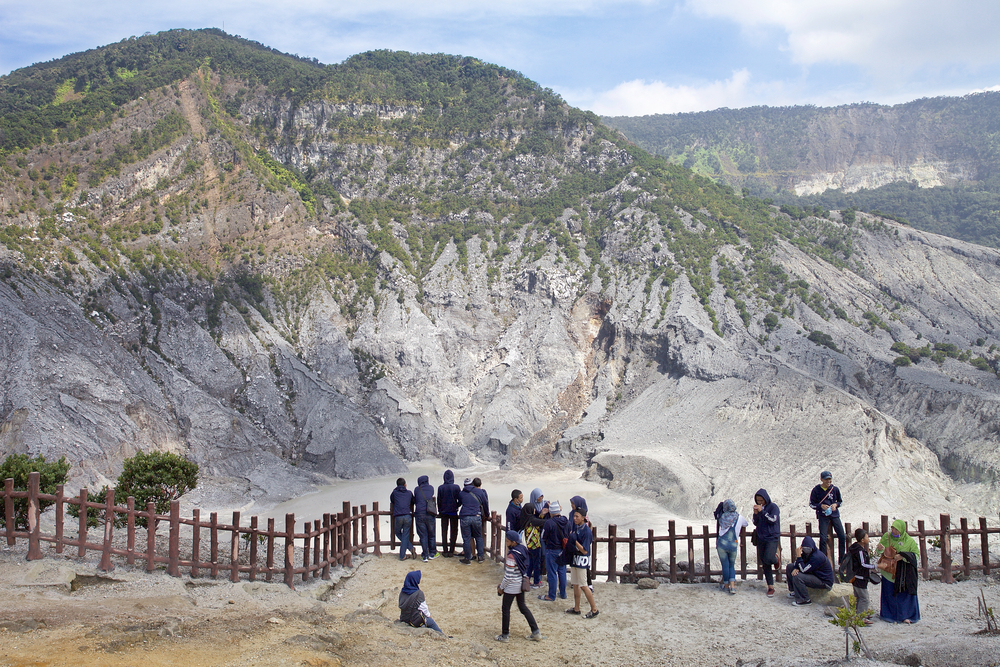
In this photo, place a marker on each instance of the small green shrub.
(18, 466)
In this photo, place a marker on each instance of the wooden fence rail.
(314, 547)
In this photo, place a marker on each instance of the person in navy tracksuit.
(812, 569)
(448, 510)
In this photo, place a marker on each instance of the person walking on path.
(484, 507)
(515, 569)
(826, 500)
(401, 504)
(448, 510)
(413, 607)
(862, 565)
(899, 588)
(767, 536)
(579, 541)
(552, 541)
(424, 519)
(731, 523)
(811, 569)
(471, 517)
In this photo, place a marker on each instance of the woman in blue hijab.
(412, 605)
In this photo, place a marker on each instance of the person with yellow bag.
(897, 553)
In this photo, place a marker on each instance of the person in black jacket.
(861, 563)
(812, 569)
(401, 505)
(448, 511)
(826, 500)
(767, 535)
(424, 520)
(484, 505)
(471, 517)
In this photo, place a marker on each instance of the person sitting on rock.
(413, 607)
(811, 569)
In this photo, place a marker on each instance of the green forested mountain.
(933, 162)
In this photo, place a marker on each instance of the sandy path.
(158, 620)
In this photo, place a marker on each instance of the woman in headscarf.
(730, 525)
(899, 590)
(412, 605)
(515, 568)
(535, 513)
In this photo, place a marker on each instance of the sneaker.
(536, 636)
(792, 595)
(502, 638)
(426, 559)
(481, 559)
(435, 555)
(448, 554)
(465, 561)
(801, 603)
(534, 586)
(770, 592)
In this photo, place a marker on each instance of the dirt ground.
(61, 611)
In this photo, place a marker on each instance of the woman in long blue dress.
(899, 590)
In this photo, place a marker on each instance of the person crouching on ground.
(861, 563)
(812, 569)
(412, 604)
(580, 539)
(515, 569)
(552, 540)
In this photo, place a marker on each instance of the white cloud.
(880, 36)
(640, 98)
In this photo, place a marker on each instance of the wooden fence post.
(966, 562)
(60, 516)
(631, 555)
(690, 542)
(306, 542)
(34, 514)
(253, 548)
(707, 554)
(743, 553)
(109, 527)
(612, 553)
(130, 531)
(328, 527)
(593, 553)
(290, 551)
(174, 540)
(270, 549)
(348, 543)
(213, 539)
(355, 518)
(985, 542)
(376, 526)
(672, 533)
(195, 542)
(922, 545)
(651, 553)
(8, 509)
(82, 546)
(364, 528)
(234, 550)
(946, 576)
(150, 536)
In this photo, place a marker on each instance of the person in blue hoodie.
(579, 542)
(579, 504)
(514, 510)
(552, 539)
(470, 515)
(401, 507)
(425, 520)
(413, 607)
(484, 506)
(767, 533)
(811, 569)
(826, 500)
(448, 511)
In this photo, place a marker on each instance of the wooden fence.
(310, 550)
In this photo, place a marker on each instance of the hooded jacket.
(484, 501)
(422, 494)
(448, 495)
(401, 500)
(767, 522)
(821, 496)
(578, 503)
(412, 603)
(469, 502)
(817, 564)
(514, 517)
(553, 532)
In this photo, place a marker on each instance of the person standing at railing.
(448, 510)
(552, 540)
(470, 515)
(826, 500)
(731, 523)
(423, 495)
(537, 512)
(401, 505)
(484, 505)
(900, 575)
(767, 536)
(513, 514)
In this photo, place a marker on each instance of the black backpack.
(846, 570)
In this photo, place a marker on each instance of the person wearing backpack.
(859, 569)
(826, 500)
(730, 523)
(425, 517)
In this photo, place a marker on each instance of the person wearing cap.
(826, 500)
(811, 569)
(471, 517)
(552, 540)
(515, 569)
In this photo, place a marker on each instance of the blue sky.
(614, 57)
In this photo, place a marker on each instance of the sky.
(613, 57)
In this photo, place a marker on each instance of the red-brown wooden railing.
(310, 551)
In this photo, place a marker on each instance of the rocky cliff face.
(656, 331)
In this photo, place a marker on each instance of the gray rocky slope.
(539, 360)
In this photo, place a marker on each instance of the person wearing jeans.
(425, 521)
(552, 536)
(471, 518)
(730, 525)
(401, 504)
(826, 500)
